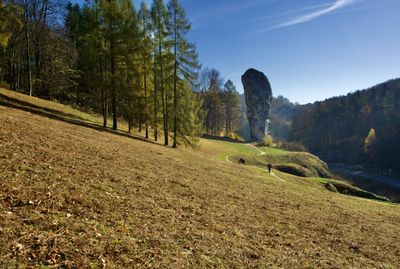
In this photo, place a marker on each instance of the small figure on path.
(269, 168)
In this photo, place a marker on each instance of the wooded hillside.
(360, 128)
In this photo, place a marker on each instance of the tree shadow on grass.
(222, 138)
(65, 117)
(22, 103)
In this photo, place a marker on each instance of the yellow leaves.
(8, 16)
(369, 140)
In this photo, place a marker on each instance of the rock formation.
(258, 96)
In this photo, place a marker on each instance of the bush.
(235, 136)
(291, 146)
(267, 141)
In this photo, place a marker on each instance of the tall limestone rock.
(258, 96)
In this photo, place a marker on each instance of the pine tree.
(159, 15)
(231, 102)
(146, 50)
(189, 116)
(155, 94)
(120, 23)
(91, 43)
(128, 71)
(184, 54)
(110, 11)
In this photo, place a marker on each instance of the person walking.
(269, 168)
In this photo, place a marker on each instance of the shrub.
(235, 136)
(267, 140)
(291, 146)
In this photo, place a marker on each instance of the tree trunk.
(155, 102)
(139, 115)
(19, 64)
(113, 89)
(226, 121)
(145, 75)
(38, 71)
(175, 85)
(145, 102)
(13, 69)
(28, 55)
(112, 62)
(163, 97)
(104, 106)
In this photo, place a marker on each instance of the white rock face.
(258, 96)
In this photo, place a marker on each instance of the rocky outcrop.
(258, 96)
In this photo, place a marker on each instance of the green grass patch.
(298, 163)
(274, 151)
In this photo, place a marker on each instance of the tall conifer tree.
(159, 15)
(185, 63)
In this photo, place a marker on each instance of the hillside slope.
(77, 197)
(302, 164)
(336, 129)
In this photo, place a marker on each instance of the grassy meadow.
(79, 197)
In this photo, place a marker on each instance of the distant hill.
(362, 127)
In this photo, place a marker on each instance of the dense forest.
(125, 63)
(360, 128)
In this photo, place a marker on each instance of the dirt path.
(259, 150)
(281, 179)
(272, 173)
(227, 158)
(263, 153)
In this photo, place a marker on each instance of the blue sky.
(309, 49)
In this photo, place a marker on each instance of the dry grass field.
(77, 197)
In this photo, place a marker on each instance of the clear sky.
(309, 49)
